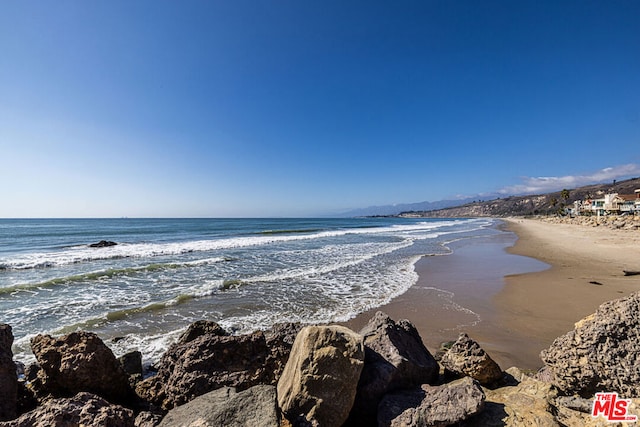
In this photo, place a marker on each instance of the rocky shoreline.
(614, 222)
(323, 375)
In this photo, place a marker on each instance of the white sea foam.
(81, 254)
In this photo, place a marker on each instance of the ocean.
(245, 274)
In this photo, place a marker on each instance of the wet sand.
(513, 304)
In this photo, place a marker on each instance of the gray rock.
(395, 358)
(80, 362)
(84, 409)
(147, 419)
(467, 358)
(319, 381)
(602, 353)
(8, 377)
(255, 407)
(443, 405)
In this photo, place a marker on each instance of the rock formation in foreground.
(395, 359)
(79, 362)
(427, 405)
(83, 409)
(467, 358)
(319, 382)
(602, 353)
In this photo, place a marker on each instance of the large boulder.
(83, 409)
(206, 358)
(428, 406)
(467, 358)
(254, 407)
(80, 362)
(208, 362)
(602, 353)
(395, 358)
(8, 377)
(318, 384)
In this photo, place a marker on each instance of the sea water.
(245, 274)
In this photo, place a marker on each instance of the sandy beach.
(515, 295)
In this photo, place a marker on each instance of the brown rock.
(467, 358)
(395, 358)
(79, 362)
(527, 404)
(8, 377)
(83, 409)
(427, 405)
(279, 339)
(208, 362)
(199, 328)
(207, 358)
(319, 381)
(602, 353)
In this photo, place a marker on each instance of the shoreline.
(454, 293)
(527, 289)
(587, 266)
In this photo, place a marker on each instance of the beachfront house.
(628, 203)
(610, 204)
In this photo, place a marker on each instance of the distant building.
(610, 204)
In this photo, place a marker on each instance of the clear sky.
(299, 108)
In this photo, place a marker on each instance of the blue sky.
(300, 108)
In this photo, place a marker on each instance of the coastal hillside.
(538, 204)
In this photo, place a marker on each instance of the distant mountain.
(390, 210)
(527, 205)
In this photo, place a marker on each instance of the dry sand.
(520, 314)
(587, 270)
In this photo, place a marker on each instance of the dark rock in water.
(79, 362)
(444, 405)
(102, 244)
(83, 409)
(602, 353)
(8, 377)
(395, 358)
(199, 328)
(467, 358)
(255, 407)
(319, 381)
